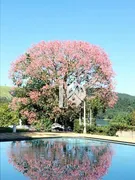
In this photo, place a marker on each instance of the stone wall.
(126, 134)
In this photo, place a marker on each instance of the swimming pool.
(66, 158)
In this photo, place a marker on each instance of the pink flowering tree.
(55, 160)
(46, 65)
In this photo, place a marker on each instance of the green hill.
(126, 96)
(4, 91)
(124, 105)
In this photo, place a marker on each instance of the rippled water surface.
(66, 158)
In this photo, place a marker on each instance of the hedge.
(109, 130)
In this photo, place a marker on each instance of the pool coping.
(4, 137)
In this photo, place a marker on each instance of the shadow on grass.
(6, 134)
(5, 129)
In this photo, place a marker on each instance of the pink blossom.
(34, 96)
(30, 115)
(56, 62)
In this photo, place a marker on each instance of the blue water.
(102, 122)
(66, 158)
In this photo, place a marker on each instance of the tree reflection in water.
(56, 160)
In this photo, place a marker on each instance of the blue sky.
(109, 24)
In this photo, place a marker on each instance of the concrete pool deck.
(35, 135)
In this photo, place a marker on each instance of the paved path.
(32, 135)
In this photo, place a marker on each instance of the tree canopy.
(45, 66)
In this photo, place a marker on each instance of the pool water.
(66, 158)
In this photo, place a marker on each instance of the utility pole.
(84, 119)
(80, 119)
(90, 116)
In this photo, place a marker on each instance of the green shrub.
(44, 125)
(47, 124)
(102, 130)
(91, 129)
(114, 127)
(122, 119)
(133, 118)
(122, 126)
(77, 127)
(109, 130)
(7, 116)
